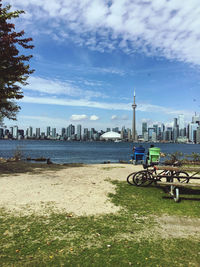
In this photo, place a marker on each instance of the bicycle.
(148, 176)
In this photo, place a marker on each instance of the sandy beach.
(76, 190)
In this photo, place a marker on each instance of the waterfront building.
(198, 135)
(154, 137)
(30, 132)
(155, 126)
(37, 133)
(11, 131)
(175, 130)
(144, 128)
(78, 132)
(63, 131)
(15, 132)
(146, 137)
(175, 134)
(42, 136)
(159, 137)
(151, 130)
(196, 119)
(70, 131)
(134, 119)
(1, 133)
(21, 133)
(48, 134)
(54, 133)
(181, 125)
(192, 128)
(123, 132)
(116, 129)
(85, 134)
(129, 134)
(108, 130)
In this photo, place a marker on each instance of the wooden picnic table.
(174, 186)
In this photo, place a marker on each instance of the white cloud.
(165, 28)
(114, 117)
(119, 118)
(94, 118)
(75, 117)
(105, 105)
(56, 87)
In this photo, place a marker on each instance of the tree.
(14, 67)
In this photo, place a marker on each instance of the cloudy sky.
(89, 56)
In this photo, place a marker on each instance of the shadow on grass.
(24, 167)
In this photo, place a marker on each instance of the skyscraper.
(181, 124)
(48, 131)
(78, 132)
(144, 128)
(134, 125)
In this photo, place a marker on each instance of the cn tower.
(134, 124)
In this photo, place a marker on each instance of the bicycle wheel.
(142, 178)
(130, 178)
(184, 177)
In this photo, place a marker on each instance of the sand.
(76, 190)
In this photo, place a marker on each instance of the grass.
(128, 238)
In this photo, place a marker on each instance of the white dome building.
(111, 136)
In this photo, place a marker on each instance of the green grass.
(128, 238)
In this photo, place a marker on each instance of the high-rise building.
(192, 128)
(155, 126)
(175, 123)
(181, 122)
(37, 133)
(196, 119)
(150, 133)
(15, 132)
(144, 128)
(54, 132)
(198, 135)
(1, 133)
(63, 131)
(85, 134)
(70, 131)
(175, 130)
(30, 132)
(78, 132)
(48, 131)
(11, 131)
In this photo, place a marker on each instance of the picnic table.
(174, 186)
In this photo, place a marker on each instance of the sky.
(90, 56)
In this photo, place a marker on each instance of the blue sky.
(89, 56)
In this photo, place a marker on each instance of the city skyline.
(149, 122)
(86, 66)
(179, 132)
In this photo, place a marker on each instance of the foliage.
(173, 157)
(14, 67)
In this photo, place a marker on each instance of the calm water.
(82, 152)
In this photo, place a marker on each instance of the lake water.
(83, 152)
